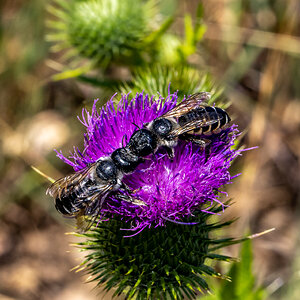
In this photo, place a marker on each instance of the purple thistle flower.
(172, 190)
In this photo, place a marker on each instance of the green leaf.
(193, 34)
(199, 27)
(246, 278)
(72, 73)
(189, 31)
(242, 285)
(155, 35)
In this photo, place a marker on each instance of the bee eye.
(106, 170)
(162, 127)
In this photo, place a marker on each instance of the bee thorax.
(162, 127)
(106, 170)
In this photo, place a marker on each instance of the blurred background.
(251, 48)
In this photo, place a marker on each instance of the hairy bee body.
(207, 113)
(68, 201)
(79, 191)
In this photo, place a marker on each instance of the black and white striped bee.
(190, 120)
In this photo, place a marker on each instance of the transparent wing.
(185, 106)
(66, 184)
(192, 126)
(89, 201)
(87, 216)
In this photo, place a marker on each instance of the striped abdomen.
(72, 198)
(205, 113)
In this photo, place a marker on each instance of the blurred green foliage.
(103, 31)
(161, 80)
(242, 283)
(124, 33)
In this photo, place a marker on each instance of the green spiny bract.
(184, 79)
(103, 31)
(168, 262)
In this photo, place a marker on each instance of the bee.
(189, 120)
(215, 117)
(83, 193)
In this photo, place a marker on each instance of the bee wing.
(84, 222)
(88, 215)
(67, 183)
(90, 200)
(185, 106)
(192, 126)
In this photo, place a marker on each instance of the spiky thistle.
(187, 80)
(104, 32)
(161, 250)
(171, 262)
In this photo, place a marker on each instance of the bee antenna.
(154, 157)
(136, 125)
(124, 140)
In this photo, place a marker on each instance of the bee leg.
(207, 153)
(124, 187)
(136, 126)
(201, 142)
(124, 140)
(170, 152)
(195, 139)
(138, 202)
(154, 157)
(130, 199)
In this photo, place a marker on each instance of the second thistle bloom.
(171, 189)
